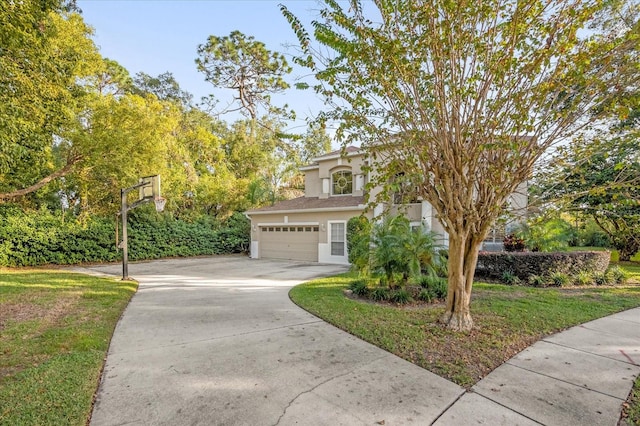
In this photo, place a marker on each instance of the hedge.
(40, 238)
(525, 264)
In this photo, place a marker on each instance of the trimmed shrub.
(616, 275)
(400, 296)
(582, 278)
(600, 278)
(433, 287)
(380, 294)
(426, 296)
(523, 265)
(537, 281)
(39, 238)
(559, 279)
(509, 278)
(359, 287)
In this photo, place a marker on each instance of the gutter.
(316, 210)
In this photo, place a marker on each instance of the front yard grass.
(55, 330)
(632, 412)
(507, 319)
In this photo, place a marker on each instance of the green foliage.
(241, 63)
(559, 279)
(400, 296)
(600, 278)
(513, 242)
(462, 97)
(359, 287)
(589, 234)
(358, 242)
(632, 411)
(523, 265)
(46, 55)
(616, 275)
(387, 254)
(596, 179)
(425, 295)
(39, 238)
(582, 278)
(76, 128)
(314, 143)
(508, 277)
(433, 287)
(547, 234)
(390, 247)
(165, 87)
(131, 136)
(44, 51)
(537, 281)
(52, 358)
(380, 294)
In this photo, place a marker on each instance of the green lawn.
(55, 330)
(632, 411)
(507, 318)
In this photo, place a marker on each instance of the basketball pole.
(123, 214)
(155, 197)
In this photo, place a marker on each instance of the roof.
(338, 153)
(346, 202)
(348, 150)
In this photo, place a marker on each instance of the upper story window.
(405, 192)
(342, 182)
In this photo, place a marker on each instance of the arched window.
(342, 182)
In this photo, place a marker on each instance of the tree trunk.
(624, 255)
(463, 256)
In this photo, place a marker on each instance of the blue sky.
(154, 36)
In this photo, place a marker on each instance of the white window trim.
(333, 172)
(330, 241)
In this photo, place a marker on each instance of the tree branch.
(42, 182)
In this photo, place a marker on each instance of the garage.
(291, 242)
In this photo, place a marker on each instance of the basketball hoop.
(160, 202)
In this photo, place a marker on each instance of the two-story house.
(314, 227)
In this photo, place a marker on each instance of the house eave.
(339, 155)
(310, 167)
(359, 207)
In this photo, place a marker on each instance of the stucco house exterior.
(313, 227)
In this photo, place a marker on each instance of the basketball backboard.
(151, 188)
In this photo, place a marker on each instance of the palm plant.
(420, 248)
(387, 252)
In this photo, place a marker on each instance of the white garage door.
(289, 242)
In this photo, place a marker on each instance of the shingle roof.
(312, 203)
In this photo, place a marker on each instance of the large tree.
(597, 175)
(599, 178)
(45, 53)
(463, 98)
(244, 65)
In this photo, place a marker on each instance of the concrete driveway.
(216, 341)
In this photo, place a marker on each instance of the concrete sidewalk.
(216, 341)
(580, 376)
